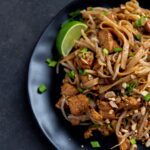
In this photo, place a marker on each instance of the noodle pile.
(107, 81)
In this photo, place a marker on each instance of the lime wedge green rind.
(70, 32)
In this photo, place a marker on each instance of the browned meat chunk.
(78, 104)
(84, 60)
(147, 26)
(104, 109)
(75, 122)
(104, 106)
(106, 115)
(107, 41)
(88, 134)
(129, 103)
(68, 90)
(95, 115)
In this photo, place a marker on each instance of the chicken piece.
(102, 105)
(104, 109)
(107, 41)
(84, 60)
(106, 115)
(68, 90)
(129, 103)
(125, 145)
(78, 104)
(147, 26)
(132, 102)
(74, 121)
(88, 133)
(94, 115)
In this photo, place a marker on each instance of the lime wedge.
(70, 32)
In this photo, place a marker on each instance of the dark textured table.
(21, 24)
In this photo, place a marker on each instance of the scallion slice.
(147, 97)
(95, 144)
(42, 88)
(118, 49)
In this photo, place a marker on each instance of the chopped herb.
(147, 97)
(71, 74)
(75, 14)
(105, 51)
(90, 8)
(138, 37)
(130, 87)
(104, 12)
(42, 88)
(118, 49)
(84, 51)
(133, 141)
(80, 90)
(51, 63)
(140, 22)
(82, 72)
(95, 144)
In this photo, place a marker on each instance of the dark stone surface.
(21, 24)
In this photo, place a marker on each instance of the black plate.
(54, 126)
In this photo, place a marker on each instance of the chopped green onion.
(138, 37)
(133, 141)
(118, 49)
(51, 63)
(71, 74)
(147, 97)
(140, 22)
(82, 72)
(104, 12)
(42, 88)
(90, 8)
(84, 50)
(95, 144)
(105, 51)
(80, 90)
(75, 14)
(130, 87)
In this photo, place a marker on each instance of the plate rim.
(29, 71)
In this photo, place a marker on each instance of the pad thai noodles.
(107, 81)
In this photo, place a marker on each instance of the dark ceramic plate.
(54, 126)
